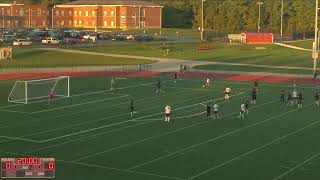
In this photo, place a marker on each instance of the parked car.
(130, 37)
(119, 37)
(21, 42)
(51, 41)
(143, 38)
(33, 38)
(90, 36)
(103, 36)
(8, 38)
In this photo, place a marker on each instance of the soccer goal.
(37, 90)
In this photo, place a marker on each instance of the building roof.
(110, 3)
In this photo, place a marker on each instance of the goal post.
(37, 90)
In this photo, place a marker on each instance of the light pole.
(314, 48)
(3, 18)
(281, 31)
(259, 4)
(202, 20)
(52, 16)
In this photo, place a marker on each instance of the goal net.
(37, 90)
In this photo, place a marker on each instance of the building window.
(8, 11)
(105, 23)
(21, 12)
(38, 12)
(70, 23)
(87, 13)
(123, 18)
(105, 13)
(57, 13)
(76, 13)
(93, 13)
(80, 13)
(70, 13)
(62, 13)
(93, 23)
(75, 23)
(112, 23)
(80, 23)
(142, 12)
(44, 23)
(62, 23)
(86, 23)
(112, 13)
(133, 20)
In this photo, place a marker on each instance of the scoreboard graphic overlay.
(27, 168)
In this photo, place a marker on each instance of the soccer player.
(132, 111)
(255, 84)
(207, 83)
(316, 96)
(300, 100)
(227, 92)
(175, 77)
(215, 111)
(50, 96)
(208, 110)
(167, 111)
(242, 110)
(295, 96)
(282, 96)
(253, 96)
(112, 83)
(290, 102)
(159, 90)
(247, 106)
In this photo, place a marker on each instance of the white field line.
(79, 104)
(121, 170)
(193, 89)
(264, 84)
(82, 94)
(20, 112)
(213, 139)
(161, 135)
(297, 166)
(173, 118)
(122, 122)
(20, 139)
(255, 149)
(119, 129)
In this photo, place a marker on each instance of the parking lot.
(40, 37)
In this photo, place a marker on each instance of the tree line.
(232, 16)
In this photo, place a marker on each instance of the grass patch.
(29, 57)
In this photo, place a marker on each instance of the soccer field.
(92, 135)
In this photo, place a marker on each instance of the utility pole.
(3, 18)
(281, 31)
(315, 46)
(202, 20)
(52, 26)
(259, 4)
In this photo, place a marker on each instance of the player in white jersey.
(227, 92)
(216, 111)
(167, 111)
(295, 96)
(207, 83)
(242, 110)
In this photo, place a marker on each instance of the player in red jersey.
(50, 96)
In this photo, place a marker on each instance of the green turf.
(220, 52)
(303, 44)
(216, 67)
(30, 57)
(93, 137)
